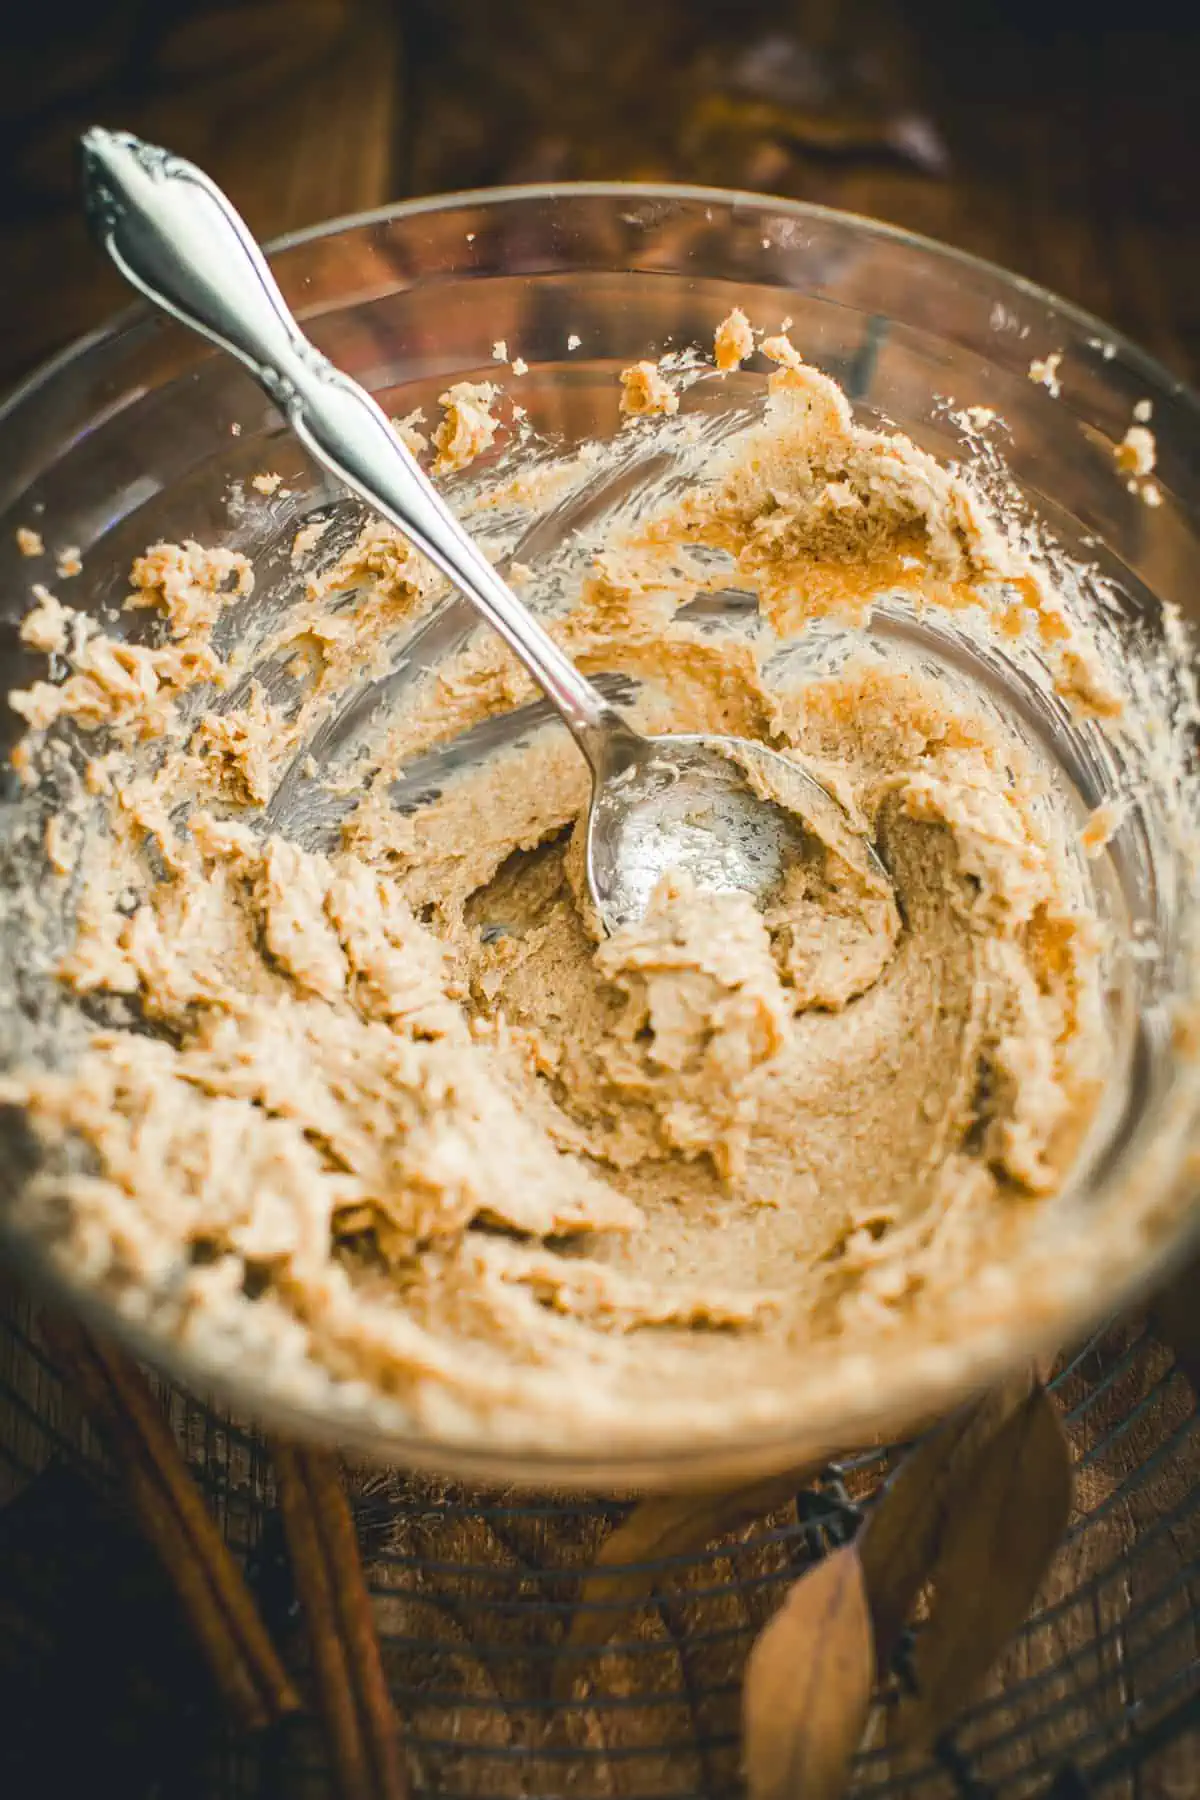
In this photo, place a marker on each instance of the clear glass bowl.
(135, 434)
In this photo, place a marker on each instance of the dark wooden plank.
(290, 104)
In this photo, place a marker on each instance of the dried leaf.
(667, 1525)
(995, 1550)
(902, 1539)
(808, 1686)
(1175, 1316)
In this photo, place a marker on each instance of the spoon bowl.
(725, 813)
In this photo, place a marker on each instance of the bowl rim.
(734, 1454)
(1087, 323)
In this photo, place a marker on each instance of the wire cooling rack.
(1099, 1694)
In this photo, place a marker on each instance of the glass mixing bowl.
(135, 434)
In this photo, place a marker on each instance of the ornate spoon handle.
(177, 239)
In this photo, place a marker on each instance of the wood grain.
(290, 104)
(1029, 135)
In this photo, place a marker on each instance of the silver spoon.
(724, 811)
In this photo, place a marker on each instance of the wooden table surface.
(1023, 130)
(1027, 133)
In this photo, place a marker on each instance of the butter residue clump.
(645, 391)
